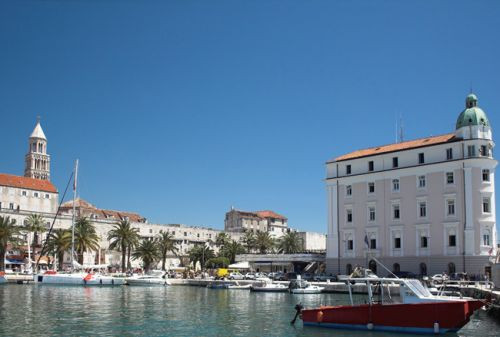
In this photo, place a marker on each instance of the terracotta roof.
(28, 183)
(270, 214)
(411, 144)
(84, 208)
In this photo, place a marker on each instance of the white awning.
(240, 265)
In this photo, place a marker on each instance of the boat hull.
(437, 317)
(149, 282)
(80, 279)
(269, 290)
(306, 291)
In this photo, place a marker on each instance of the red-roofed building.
(263, 221)
(424, 206)
(86, 209)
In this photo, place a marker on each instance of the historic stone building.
(263, 221)
(424, 206)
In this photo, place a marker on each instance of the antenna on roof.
(470, 87)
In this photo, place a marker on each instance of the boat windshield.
(418, 288)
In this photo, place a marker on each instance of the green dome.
(472, 115)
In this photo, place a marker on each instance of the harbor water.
(45, 310)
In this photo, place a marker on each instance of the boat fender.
(436, 327)
(369, 326)
(319, 316)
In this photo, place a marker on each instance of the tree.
(218, 262)
(58, 243)
(231, 249)
(263, 242)
(123, 237)
(148, 252)
(222, 239)
(200, 253)
(290, 243)
(86, 238)
(35, 224)
(8, 234)
(166, 244)
(248, 241)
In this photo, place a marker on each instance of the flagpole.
(75, 180)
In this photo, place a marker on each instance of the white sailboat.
(78, 277)
(151, 279)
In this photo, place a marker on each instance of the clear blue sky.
(180, 109)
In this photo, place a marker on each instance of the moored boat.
(154, 278)
(79, 278)
(267, 285)
(418, 312)
(300, 286)
(238, 286)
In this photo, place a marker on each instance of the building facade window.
(24, 193)
(486, 238)
(486, 175)
(11, 205)
(422, 209)
(421, 158)
(471, 151)
(348, 169)
(350, 244)
(371, 187)
(349, 215)
(484, 151)
(486, 205)
(373, 243)
(397, 243)
(421, 182)
(423, 242)
(452, 240)
(449, 154)
(370, 165)
(371, 213)
(395, 185)
(348, 190)
(395, 162)
(450, 178)
(396, 212)
(450, 207)
(35, 194)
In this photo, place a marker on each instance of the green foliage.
(200, 253)
(218, 262)
(9, 233)
(166, 243)
(222, 239)
(123, 237)
(58, 243)
(231, 249)
(264, 242)
(35, 224)
(86, 238)
(148, 252)
(290, 243)
(248, 240)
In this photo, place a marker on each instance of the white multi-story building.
(263, 221)
(424, 206)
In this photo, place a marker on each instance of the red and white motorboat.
(415, 311)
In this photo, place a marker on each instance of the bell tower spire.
(37, 161)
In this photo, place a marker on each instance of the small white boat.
(2, 278)
(310, 289)
(239, 286)
(79, 278)
(148, 280)
(267, 285)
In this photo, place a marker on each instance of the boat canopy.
(89, 266)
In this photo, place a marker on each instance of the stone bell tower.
(37, 160)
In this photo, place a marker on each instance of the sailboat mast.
(75, 180)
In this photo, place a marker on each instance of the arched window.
(372, 265)
(40, 147)
(451, 268)
(396, 268)
(423, 269)
(348, 269)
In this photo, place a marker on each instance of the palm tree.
(166, 244)
(232, 249)
(120, 237)
(222, 239)
(35, 224)
(8, 233)
(263, 242)
(148, 252)
(248, 240)
(200, 253)
(290, 243)
(86, 238)
(58, 243)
